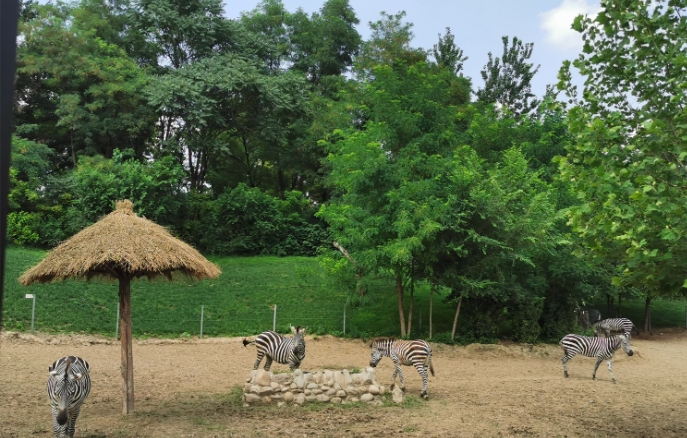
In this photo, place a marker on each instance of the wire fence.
(185, 310)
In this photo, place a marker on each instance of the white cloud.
(556, 22)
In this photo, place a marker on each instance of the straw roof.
(121, 245)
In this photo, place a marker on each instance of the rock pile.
(322, 386)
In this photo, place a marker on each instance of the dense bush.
(248, 221)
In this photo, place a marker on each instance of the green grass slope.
(239, 302)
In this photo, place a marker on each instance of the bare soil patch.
(188, 388)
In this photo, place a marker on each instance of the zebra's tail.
(428, 362)
(246, 343)
(635, 327)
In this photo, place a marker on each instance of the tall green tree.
(325, 44)
(228, 105)
(447, 54)
(90, 102)
(389, 44)
(388, 202)
(628, 162)
(508, 80)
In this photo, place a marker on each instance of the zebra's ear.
(52, 372)
(293, 330)
(304, 329)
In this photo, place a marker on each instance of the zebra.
(277, 347)
(417, 353)
(601, 348)
(68, 386)
(622, 325)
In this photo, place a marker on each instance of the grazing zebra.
(277, 347)
(417, 353)
(68, 386)
(607, 326)
(601, 348)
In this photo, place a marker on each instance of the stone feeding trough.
(322, 386)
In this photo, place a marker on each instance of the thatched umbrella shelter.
(122, 246)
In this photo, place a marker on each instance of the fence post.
(274, 319)
(117, 325)
(33, 309)
(344, 321)
(202, 308)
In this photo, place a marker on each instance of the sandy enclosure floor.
(188, 389)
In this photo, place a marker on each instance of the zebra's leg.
(71, 421)
(610, 370)
(400, 375)
(596, 367)
(564, 360)
(258, 360)
(393, 376)
(57, 429)
(423, 372)
(268, 362)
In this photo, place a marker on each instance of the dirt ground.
(189, 389)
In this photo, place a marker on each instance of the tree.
(228, 106)
(389, 44)
(447, 54)
(628, 162)
(507, 80)
(388, 179)
(325, 43)
(91, 101)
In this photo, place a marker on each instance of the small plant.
(355, 370)
(185, 335)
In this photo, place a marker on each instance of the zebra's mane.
(382, 339)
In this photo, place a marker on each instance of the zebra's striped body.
(417, 353)
(68, 386)
(280, 349)
(610, 325)
(601, 348)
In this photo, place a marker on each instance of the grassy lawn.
(239, 302)
(664, 312)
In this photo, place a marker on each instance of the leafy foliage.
(627, 165)
(507, 80)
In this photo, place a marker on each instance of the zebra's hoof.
(392, 386)
(593, 377)
(565, 374)
(424, 396)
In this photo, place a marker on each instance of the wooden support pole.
(127, 366)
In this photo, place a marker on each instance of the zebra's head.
(380, 348)
(299, 341)
(65, 380)
(625, 343)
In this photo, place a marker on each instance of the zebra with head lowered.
(280, 349)
(610, 325)
(417, 353)
(68, 386)
(601, 348)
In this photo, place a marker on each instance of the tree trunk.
(412, 302)
(431, 294)
(401, 312)
(127, 366)
(455, 320)
(647, 315)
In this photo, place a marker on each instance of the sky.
(477, 25)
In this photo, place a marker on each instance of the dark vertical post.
(9, 17)
(127, 366)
